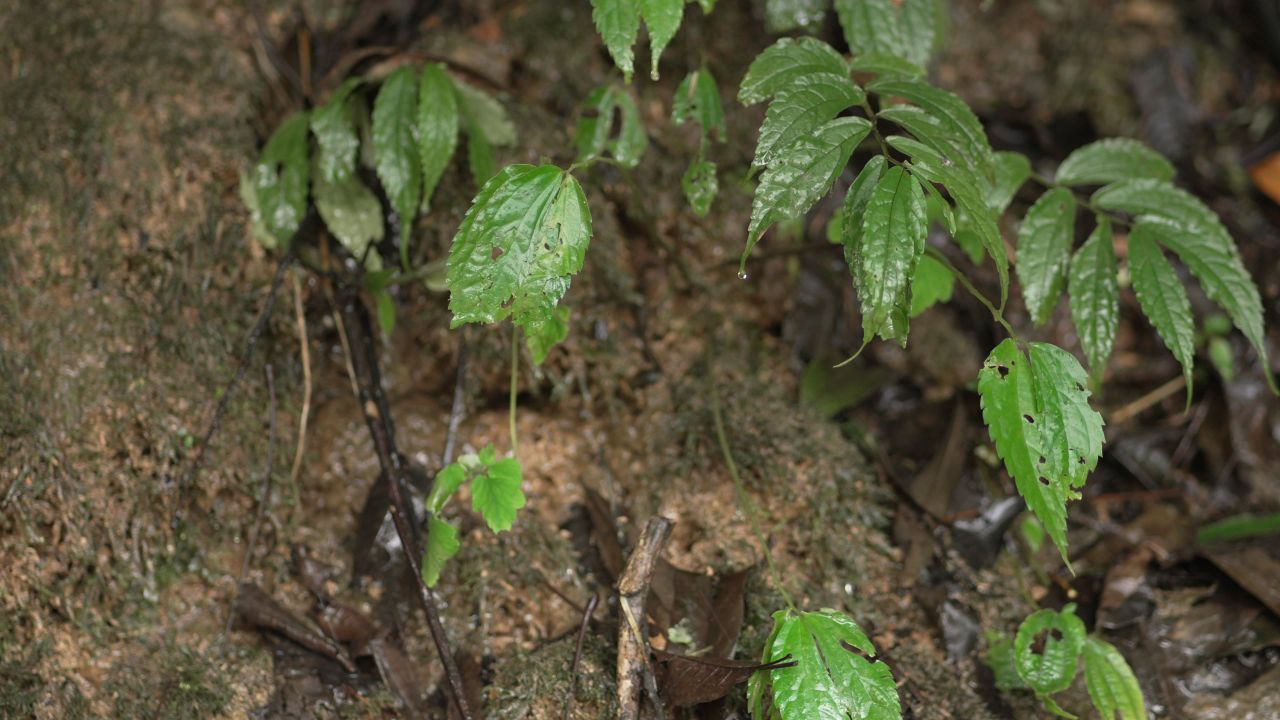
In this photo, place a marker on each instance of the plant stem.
(515, 384)
(1046, 182)
(968, 286)
(744, 500)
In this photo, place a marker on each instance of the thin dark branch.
(577, 654)
(459, 400)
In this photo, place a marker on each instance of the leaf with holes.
(442, 544)
(395, 142)
(1094, 296)
(437, 126)
(894, 226)
(792, 185)
(1162, 297)
(334, 127)
(698, 98)
(836, 675)
(784, 62)
(1044, 251)
(1112, 685)
(1112, 160)
(518, 246)
(280, 179)
(593, 136)
(496, 494)
(1047, 648)
(798, 111)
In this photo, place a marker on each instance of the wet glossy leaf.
(618, 22)
(496, 494)
(1111, 160)
(894, 227)
(784, 15)
(1037, 411)
(953, 114)
(518, 246)
(902, 28)
(779, 66)
(1112, 685)
(939, 137)
(854, 207)
(662, 18)
(1044, 251)
(792, 185)
(836, 675)
(1047, 648)
(1011, 170)
(395, 141)
(932, 284)
(437, 126)
(799, 110)
(882, 63)
(1162, 297)
(280, 179)
(442, 544)
(698, 98)
(334, 126)
(1094, 296)
(352, 213)
(543, 334)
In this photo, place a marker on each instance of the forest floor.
(129, 285)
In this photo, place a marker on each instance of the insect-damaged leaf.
(1047, 648)
(595, 128)
(687, 680)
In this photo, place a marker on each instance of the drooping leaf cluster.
(618, 22)
(495, 494)
(698, 99)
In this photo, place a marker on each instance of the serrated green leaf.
(519, 245)
(334, 127)
(618, 22)
(1112, 160)
(442, 544)
(257, 227)
(395, 141)
(280, 179)
(938, 136)
(1112, 685)
(1044, 251)
(799, 110)
(894, 227)
(887, 64)
(940, 211)
(952, 112)
(700, 185)
(1162, 297)
(1058, 640)
(835, 676)
(485, 113)
(446, 482)
(782, 63)
(351, 212)
(1094, 296)
(871, 26)
(1037, 412)
(792, 185)
(1000, 660)
(932, 284)
(662, 18)
(918, 22)
(854, 207)
(545, 333)
(496, 494)
(1011, 170)
(698, 98)
(785, 15)
(437, 126)
(758, 683)
(1191, 230)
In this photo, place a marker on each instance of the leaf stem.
(977, 294)
(515, 385)
(1084, 203)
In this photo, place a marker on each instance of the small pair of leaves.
(618, 22)
(280, 179)
(836, 673)
(1037, 411)
(517, 249)
(698, 98)
(1112, 686)
(593, 137)
(495, 494)
(907, 29)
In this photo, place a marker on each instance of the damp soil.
(130, 283)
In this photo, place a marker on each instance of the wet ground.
(130, 286)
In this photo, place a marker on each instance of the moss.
(535, 684)
(180, 685)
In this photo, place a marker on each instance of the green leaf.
(952, 113)
(1112, 685)
(280, 179)
(545, 333)
(442, 544)
(1012, 170)
(939, 137)
(854, 207)
(1037, 412)
(395, 141)
(785, 15)
(881, 63)
(496, 494)
(487, 124)
(437, 126)
(792, 185)
(799, 110)
(932, 284)
(784, 62)
(351, 212)
(1184, 225)
(1111, 160)
(1047, 648)
(249, 196)
(919, 22)
(386, 311)
(940, 211)
(1239, 527)
(700, 185)
(871, 26)
(1000, 659)
(1094, 296)
(1162, 298)
(662, 18)
(894, 227)
(446, 482)
(1044, 251)
(518, 246)
(335, 130)
(836, 674)
(594, 127)
(698, 97)
(618, 22)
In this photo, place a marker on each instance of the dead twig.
(633, 647)
(1126, 412)
(577, 654)
(300, 317)
(264, 501)
(459, 401)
